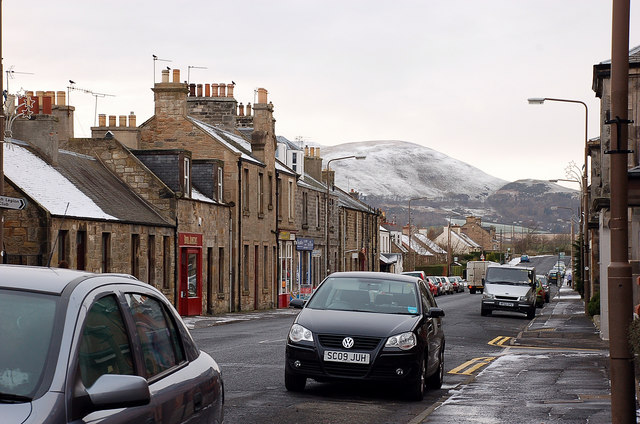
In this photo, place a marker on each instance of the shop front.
(288, 286)
(190, 274)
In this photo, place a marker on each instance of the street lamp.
(413, 262)
(326, 205)
(585, 198)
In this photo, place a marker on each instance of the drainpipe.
(176, 266)
(239, 274)
(277, 258)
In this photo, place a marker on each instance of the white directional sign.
(12, 202)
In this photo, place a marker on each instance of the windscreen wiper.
(13, 398)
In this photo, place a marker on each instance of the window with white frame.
(187, 177)
(220, 177)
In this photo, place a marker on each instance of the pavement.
(555, 371)
(203, 321)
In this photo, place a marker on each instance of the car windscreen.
(26, 329)
(499, 275)
(366, 295)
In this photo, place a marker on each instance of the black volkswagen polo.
(371, 326)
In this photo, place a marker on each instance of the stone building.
(249, 176)
(484, 236)
(81, 216)
(599, 191)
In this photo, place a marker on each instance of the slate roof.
(634, 56)
(234, 142)
(78, 186)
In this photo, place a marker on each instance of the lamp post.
(585, 199)
(413, 262)
(326, 205)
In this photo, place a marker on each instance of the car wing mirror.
(435, 312)
(112, 391)
(297, 303)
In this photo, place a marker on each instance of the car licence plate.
(348, 357)
(505, 304)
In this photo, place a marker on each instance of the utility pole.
(623, 407)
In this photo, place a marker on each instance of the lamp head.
(553, 181)
(536, 100)
(360, 157)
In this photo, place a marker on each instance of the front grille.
(360, 343)
(511, 298)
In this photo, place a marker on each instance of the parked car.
(433, 288)
(460, 283)
(369, 326)
(524, 258)
(83, 347)
(546, 287)
(420, 274)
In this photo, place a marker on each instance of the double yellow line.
(475, 364)
(499, 341)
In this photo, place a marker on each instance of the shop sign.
(304, 244)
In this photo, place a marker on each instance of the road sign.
(12, 202)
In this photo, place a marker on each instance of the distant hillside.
(396, 171)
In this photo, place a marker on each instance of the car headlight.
(523, 298)
(486, 295)
(403, 341)
(298, 333)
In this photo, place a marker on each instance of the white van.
(509, 288)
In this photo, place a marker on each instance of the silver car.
(79, 347)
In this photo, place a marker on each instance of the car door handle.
(197, 401)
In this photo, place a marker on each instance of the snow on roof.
(416, 246)
(45, 185)
(430, 243)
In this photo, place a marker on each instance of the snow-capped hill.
(399, 169)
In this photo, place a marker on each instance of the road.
(251, 355)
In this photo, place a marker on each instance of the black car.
(79, 347)
(370, 326)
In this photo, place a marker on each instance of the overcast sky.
(451, 75)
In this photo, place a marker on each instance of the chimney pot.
(176, 75)
(317, 152)
(102, 120)
(62, 98)
(165, 75)
(229, 90)
(313, 151)
(248, 109)
(306, 151)
(132, 120)
(112, 120)
(207, 90)
(214, 90)
(122, 121)
(240, 109)
(199, 90)
(222, 88)
(262, 95)
(192, 90)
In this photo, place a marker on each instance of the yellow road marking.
(499, 341)
(473, 365)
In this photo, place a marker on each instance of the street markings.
(473, 365)
(499, 341)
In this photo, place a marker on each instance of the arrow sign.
(12, 202)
